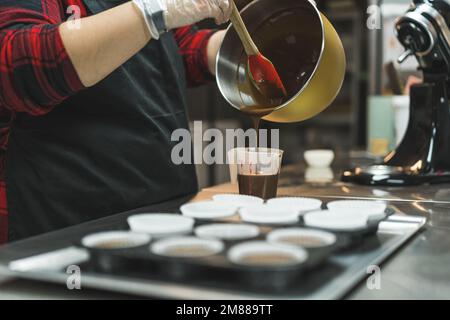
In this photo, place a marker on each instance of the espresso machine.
(423, 156)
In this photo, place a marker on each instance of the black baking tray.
(217, 270)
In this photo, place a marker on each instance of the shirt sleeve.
(192, 44)
(36, 73)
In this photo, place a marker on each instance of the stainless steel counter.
(420, 270)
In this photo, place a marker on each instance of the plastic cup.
(258, 171)
(232, 162)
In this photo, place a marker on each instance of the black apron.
(105, 150)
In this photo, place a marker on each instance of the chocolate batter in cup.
(258, 171)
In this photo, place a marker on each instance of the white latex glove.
(186, 12)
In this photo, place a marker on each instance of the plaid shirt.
(36, 73)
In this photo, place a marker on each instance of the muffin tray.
(217, 270)
(332, 278)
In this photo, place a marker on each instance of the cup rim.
(240, 251)
(160, 247)
(135, 239)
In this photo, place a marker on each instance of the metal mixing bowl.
(273, 19)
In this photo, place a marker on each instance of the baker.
(88, 106)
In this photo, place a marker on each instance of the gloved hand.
(185, 12)
(171, 14)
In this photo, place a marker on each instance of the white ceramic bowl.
(229, 232)
(209, 210)
(319, 175)
(319, 158)
(115, 240)
(159, 225)
(278, 236)
(184, 245)
(301, 204)
(237, 253)
(265, 214)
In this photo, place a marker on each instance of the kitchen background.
(343, 127)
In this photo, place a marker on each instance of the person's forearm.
(213, 48)
(104, 41)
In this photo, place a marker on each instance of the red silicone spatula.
(261, 70)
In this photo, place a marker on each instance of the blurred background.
(351, 123)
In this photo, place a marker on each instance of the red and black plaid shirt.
(36, 73)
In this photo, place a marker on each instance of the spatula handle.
(247, 41)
